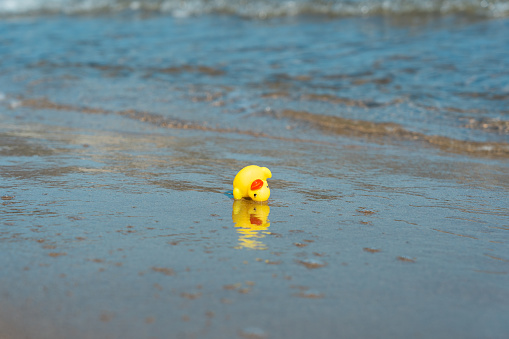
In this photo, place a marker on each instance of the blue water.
(385, 125)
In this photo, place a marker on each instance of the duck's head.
(259, 190)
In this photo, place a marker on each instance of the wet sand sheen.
(151, 118)
(378, 132)
(392, 131)
(192, 253)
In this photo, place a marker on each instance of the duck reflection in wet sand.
(250, 219)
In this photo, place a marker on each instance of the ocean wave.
(258, 8)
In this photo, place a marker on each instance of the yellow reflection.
(250, 219)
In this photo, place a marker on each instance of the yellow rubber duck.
(251, 182)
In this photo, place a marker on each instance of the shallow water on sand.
(387, 138)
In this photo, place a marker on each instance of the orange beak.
(256, 185)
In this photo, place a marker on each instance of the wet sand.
(132, 235)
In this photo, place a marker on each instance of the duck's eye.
(255, 195)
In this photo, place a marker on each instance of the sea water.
(385, 125)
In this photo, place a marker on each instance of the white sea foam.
(259, 8)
